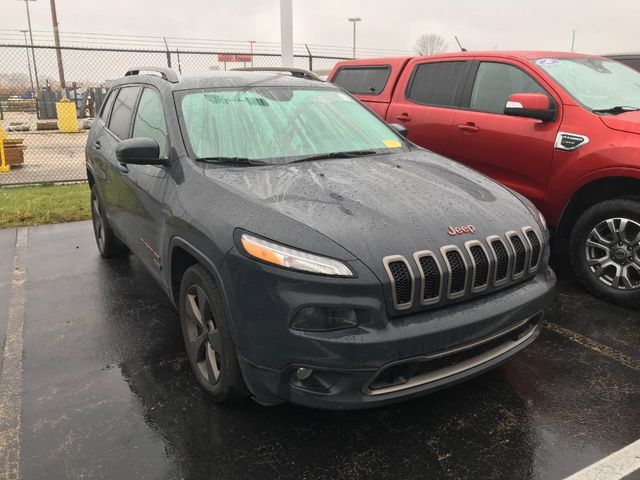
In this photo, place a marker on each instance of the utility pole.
(286, 32)
(26, 44)
(573, 39)
(56, 39)
(354, 20)
(33, 52)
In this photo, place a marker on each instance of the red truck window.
(363, 80)
(436, 83)
(495, 82)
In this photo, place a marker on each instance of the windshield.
(281, 124)
(598, 84)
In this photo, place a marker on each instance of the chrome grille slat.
(520, 255)
(457, 269)
(480, 265)
(502, 258)
(430, 277)
(535, 246)
(402, 281)
(454, 273)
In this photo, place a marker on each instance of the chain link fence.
(37, 144)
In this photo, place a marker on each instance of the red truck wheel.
(605, 250)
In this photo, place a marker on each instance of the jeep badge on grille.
(453, 231)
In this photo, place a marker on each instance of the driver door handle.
(468, 127)
(96, 144)
(403, 117)
(122, 167)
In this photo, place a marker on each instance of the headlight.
(286, 257)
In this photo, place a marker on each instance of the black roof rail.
(295, 72)
(167, 73)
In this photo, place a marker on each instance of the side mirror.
(530, 105)
(139, 151)
(401, 129)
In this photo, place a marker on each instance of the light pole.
(354, 20)
(251, 42)
(26, 44)
(286, 33)
(33, 52)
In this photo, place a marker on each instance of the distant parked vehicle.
(630, 59)
(314, 254)
(562, 129)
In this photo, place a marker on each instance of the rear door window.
(125, 102)
(436, 83)
(496, 82)
(363, 80)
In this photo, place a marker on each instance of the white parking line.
(11, 373)
(614, 467)
(619, 357)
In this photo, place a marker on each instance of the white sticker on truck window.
(548, 62)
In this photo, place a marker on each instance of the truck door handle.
(403, 117)
(468, 127)
(96, 144)
(122, 167)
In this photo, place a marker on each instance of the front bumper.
(348, 364)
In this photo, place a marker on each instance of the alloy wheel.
(203, 337)
(612, 251)
(98, 221)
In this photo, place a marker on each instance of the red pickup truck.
(562, 129)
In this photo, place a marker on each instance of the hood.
(625, 122)
(382, 205)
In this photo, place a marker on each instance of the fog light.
(304, 373)
(324, 318)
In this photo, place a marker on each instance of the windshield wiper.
(236, 160)
(329, 156)
(617, 110)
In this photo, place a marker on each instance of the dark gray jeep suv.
(314, 254)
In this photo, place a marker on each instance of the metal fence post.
(168, 52)
(310, 57)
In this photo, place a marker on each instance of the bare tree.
(430, 44)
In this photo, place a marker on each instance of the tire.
(605, 251)
(207, 338)
(109, 245)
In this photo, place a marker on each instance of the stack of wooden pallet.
(14, 151)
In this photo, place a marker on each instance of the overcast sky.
(602, 26)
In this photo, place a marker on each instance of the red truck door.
(425, 100)
(514, 151)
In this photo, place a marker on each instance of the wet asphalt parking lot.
(95, 384)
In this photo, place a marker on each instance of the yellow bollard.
(4, 168)
(67, 116)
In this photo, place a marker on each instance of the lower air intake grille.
(521, 254)
(502, 259)
(458, 272)
(481, 262)
(402, 280)
(419, 371)
(535, 248)
(432, 278)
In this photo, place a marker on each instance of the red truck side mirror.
(530, 105)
